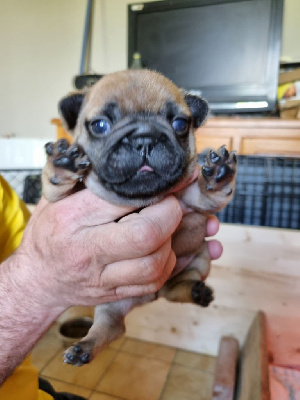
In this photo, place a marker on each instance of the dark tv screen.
(226, 50)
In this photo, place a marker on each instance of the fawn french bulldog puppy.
(133, 144)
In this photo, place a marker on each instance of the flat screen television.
(225, 50)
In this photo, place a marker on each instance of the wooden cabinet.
(251, 136)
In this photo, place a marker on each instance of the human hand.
(82, 256)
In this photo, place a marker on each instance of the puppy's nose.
(143, 144)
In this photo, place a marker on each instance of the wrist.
(27, 296)
(24, 319)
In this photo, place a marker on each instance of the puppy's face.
(137, 129)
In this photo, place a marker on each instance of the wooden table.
(259, 270)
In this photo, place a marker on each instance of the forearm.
(23, 319)
(70, 258)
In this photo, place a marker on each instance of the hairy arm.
(78, 255)
(22, 321)
(74, 253)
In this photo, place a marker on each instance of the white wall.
(109, 50)
(291, 31)
(40, 49)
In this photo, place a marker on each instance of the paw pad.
(219, 168)
(65, 157)
(202, 294)
(75, 355)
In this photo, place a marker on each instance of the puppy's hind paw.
(78, 354)
(202, 294)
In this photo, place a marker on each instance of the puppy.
(134, 144)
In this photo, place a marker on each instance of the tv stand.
(251, 136)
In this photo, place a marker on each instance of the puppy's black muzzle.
(144, 145)
(146, 160)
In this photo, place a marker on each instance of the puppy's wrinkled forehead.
(134, 92)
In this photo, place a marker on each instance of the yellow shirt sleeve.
(13, 218)
(23, 384)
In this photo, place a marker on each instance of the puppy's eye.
(180, 125)
(100, 127)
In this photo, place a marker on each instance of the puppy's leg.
(108, 326)
(188, 285)
(65, 170)
(209, 194)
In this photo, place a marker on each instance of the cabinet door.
(275, 146)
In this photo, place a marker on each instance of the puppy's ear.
(198, 107)
(69, 108)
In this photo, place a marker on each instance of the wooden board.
(252, 248)
(188, 326)
(254, 371)
(255, 290)
(225, 372)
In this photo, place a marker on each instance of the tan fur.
(144, 91)
(147, 92)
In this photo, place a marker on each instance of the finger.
(137, 235)
(153, 287)
(215, 249)
(212, 225)
(139, 271)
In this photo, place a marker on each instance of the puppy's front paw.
(202, 294)
(79, 354)
(219, 168)
(67, 157)
(65, 171)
